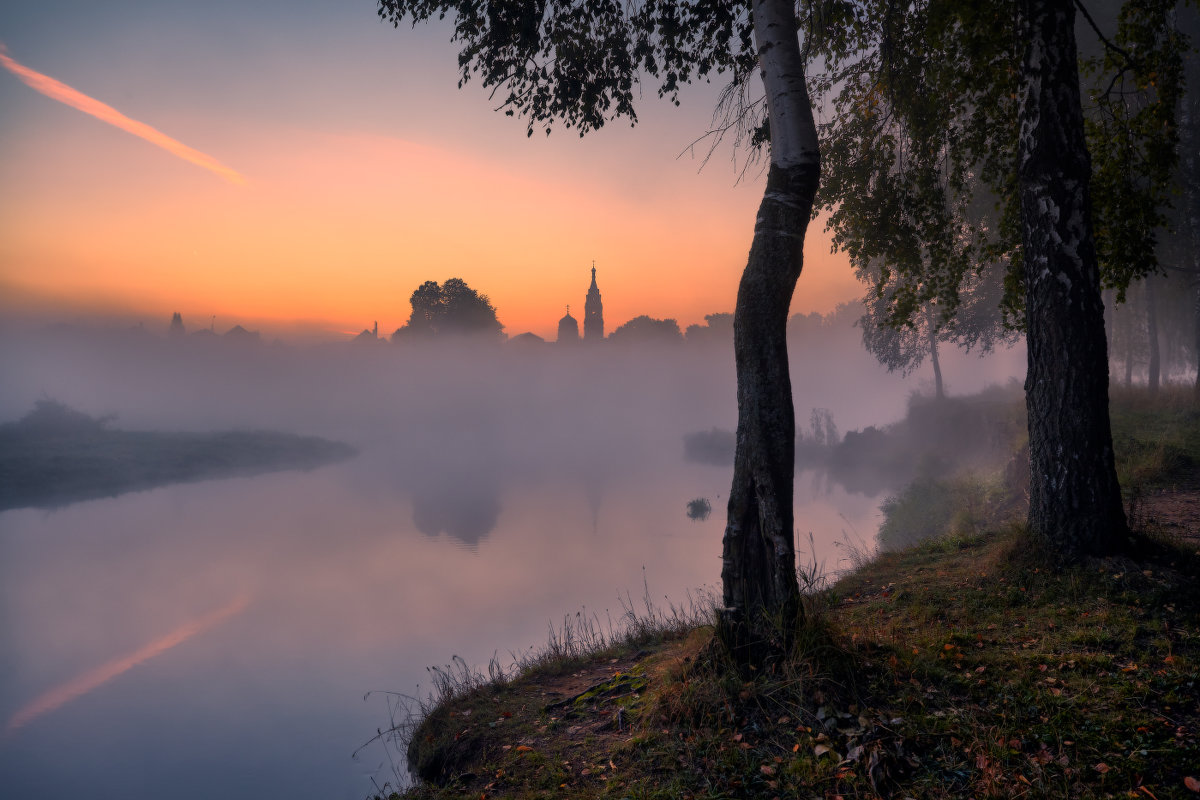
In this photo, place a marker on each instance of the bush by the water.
(930, 508)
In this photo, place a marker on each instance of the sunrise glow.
(362, 190)
(57, 90)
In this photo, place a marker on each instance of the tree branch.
(1129, 60)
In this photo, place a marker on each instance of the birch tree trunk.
(939, 391)
(758, 575)
(1075, 502)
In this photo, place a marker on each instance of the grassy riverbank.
(950, 669)
(55, 456)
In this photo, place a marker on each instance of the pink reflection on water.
(94, 678)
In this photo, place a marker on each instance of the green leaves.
(1135, 85)
(919, 144)
(582, 63)
(914, 153)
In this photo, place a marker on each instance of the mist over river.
(216, 639)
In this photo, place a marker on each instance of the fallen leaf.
(1192, 784)
(821, 750)
(767, 769)
(1101, 768)
(524, 748)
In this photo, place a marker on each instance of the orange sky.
(216, 208)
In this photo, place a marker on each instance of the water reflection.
(699, 509)
(345, 601)
(563, 481)
(459, 506)
(56, 697)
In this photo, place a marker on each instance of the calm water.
(216, 639)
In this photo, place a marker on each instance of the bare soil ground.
(1173, 511)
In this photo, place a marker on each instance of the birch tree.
(937, 105)
(581, 64)
(1074, 500)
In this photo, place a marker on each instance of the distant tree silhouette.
(647, 330)
(718, 330)
(903, 347)
(453, 308)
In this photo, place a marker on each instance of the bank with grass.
(952, 668)
(55, 456)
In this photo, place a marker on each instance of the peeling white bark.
(793, 131)
(1075, 501)
(758, 573)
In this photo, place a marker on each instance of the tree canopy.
(920, 145)
(647, 330)
(453, 308)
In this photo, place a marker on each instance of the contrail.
(65, 94)
(82, 684)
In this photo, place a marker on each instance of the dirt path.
(1174, 511)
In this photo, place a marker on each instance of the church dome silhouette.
(568, 328)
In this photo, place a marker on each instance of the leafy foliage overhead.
(919, 142)
(1136, 84)
(583, 62)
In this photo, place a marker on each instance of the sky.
(302, 167)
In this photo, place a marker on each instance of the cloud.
(59, 91)
(94, 678)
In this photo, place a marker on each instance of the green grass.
(1157, 441)
(931, 673)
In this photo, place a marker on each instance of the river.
(217, 639)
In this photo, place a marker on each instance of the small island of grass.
(55, 455)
